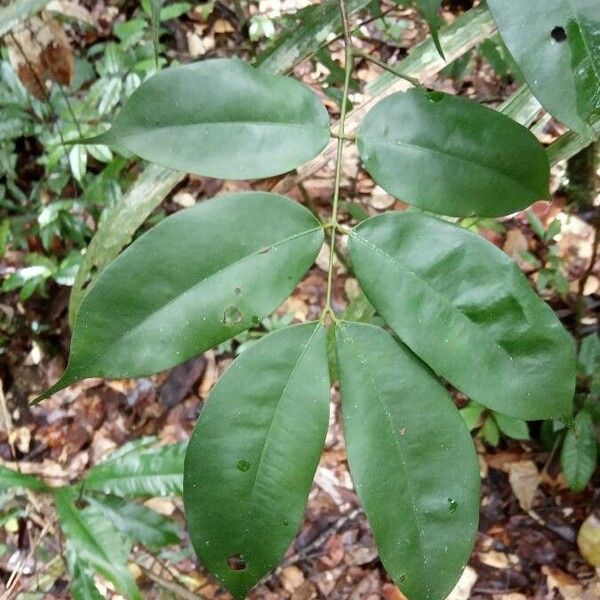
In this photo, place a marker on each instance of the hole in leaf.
(232, 316)
(236, 562)
(237, 290)
(243, 465)
(558, 34)
(435, 96)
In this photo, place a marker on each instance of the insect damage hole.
(236, 563)
(558, 34)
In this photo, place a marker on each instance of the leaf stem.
(349, 137)
(341, 136)
(386, 67)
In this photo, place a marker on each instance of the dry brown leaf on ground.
(466, 583)
(39, 50)
(516, 243)
(568, 587)
(588, 540)
(390, 592)
(524, 480)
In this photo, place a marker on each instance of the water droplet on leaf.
(452, 505)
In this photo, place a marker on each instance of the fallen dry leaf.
(497, 560)
(462, 590)
(524, 480)
(390, 592)
(291, 578)
(39, 50)
(568, 587)
(515, 244)
(588, 540)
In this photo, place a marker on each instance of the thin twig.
(386, 67)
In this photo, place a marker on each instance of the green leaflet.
(579, 452)
(412, 461)
(467, 311)
(430, 9)
(222, 118)
(82, 585)
(588, 361)
(253, 455)
(514, 428)
(557, 46)
(139, 523)
(93, 541)
(198, 278)
(11, 14)
(452, 156)
(9, 479)
(144, 472)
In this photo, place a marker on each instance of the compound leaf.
(254, 452)
(9, 479)
(136, 521)
(145, 472)
(198, 278)
(556, 44)
(465, 308)
(452, 156)
(580, 452)
(93, 541)
(411, 458)
(222, 118)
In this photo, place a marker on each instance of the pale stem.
(349, 63)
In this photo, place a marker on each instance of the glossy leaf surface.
(465, 308)
(254, 452)
(557, 46)
(452, 156)
(93, 541)
(198, 278)
(411, 458)
(580, 452)
(148, 472)
(514, 428)
(222, 118)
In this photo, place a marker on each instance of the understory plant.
(456, 309)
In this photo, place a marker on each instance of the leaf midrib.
(151, 129)
(441, 298)
(139, 324)
(252, 503)
(484, 167)
(398, 442)
(91, 541)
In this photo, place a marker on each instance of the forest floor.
(527, 541)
